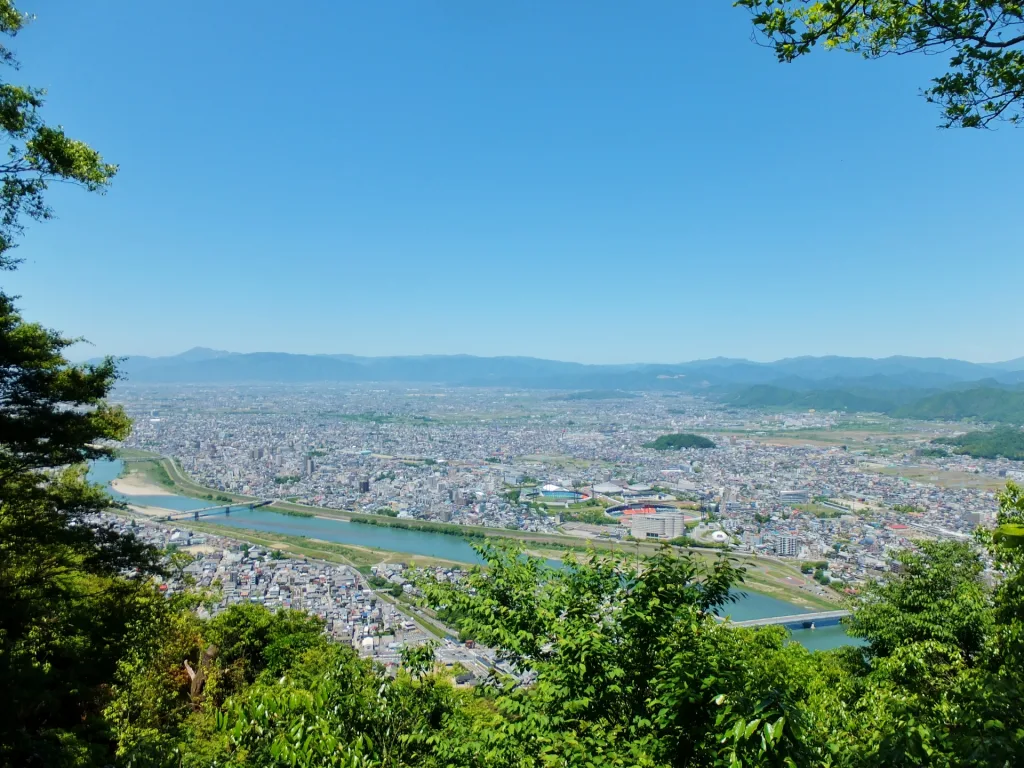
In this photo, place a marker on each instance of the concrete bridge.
(797, 620)
(221, 509)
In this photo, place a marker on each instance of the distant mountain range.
(905, 387)
(851, 374)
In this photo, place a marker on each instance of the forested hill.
(677, 441)
(982, 403)
(1000, 405)
(1007, 442)
(768, 396)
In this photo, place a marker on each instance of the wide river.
(749, 606)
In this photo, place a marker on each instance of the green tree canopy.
(984, 40)
(68, 615)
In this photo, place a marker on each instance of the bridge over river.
(797, 620)
(220, 509)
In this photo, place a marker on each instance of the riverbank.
(317, 549)
(764, 576)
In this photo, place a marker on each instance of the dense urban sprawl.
(523, 459)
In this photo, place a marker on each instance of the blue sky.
(596, 181)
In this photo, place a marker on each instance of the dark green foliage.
(1007, 442)
(276, 692)
(628, 670)
(623, 668)
(66, 614)
(816, 565)
(592, 514)
(683, 541)
(939, 597)
(250, 640)
(675, 442)
(387, 512)
(379, 582)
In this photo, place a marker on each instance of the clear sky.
(587, 180)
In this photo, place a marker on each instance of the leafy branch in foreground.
(984, 40)
(37, 153)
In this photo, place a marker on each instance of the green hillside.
(1007, 442)
(985, 404)
(767, 396)
(676, 441)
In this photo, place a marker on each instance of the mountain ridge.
(205, 365)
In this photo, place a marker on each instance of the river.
(750, 605)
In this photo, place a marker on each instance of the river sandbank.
(134, 485)
(142, 509)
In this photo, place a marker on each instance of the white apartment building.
(787, 546)
(659, 526)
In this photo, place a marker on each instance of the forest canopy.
(1007, 442)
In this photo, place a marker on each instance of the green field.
(820, 510)
(135, 453)
(943, 478)
(151, 471)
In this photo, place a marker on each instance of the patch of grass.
(820, 510)
(135, 453)
(151, 471)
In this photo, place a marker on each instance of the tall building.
(787, 546)
(364, 485)
(310, 465)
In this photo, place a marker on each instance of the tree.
(37, 154)
(68, 614)
(984, 40)
(624, 668)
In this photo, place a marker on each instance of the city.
(783, 485)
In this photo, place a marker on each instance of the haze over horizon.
(199, 348)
